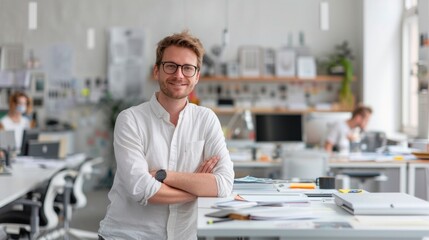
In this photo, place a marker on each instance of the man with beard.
(168, 151)
(342, 133)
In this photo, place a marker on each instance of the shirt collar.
(159, 110)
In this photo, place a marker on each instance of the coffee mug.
(325, 182)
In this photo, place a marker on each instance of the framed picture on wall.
(285, 62)
(250, 58)
(38, 87)
(38, 83)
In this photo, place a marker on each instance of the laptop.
(44, 149)
(381, 204)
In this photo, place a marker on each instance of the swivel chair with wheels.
(28, 217)
(73, 198)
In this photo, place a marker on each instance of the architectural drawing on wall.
(55, 85)
(285, 62)
(126, 62)
(250, 61)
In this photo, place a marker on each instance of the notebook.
(44, 149)
(381, 204)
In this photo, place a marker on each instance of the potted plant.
(341, 64)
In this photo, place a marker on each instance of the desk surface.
(26, 177)
(327, 211)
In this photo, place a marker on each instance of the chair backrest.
(373, 140)
(316, 126)
(86, 170)
(47, 214)
(305, 164)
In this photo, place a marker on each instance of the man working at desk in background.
(341, 134)
(17, 116)
(160, 147)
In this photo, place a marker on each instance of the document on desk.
(250, 179)
(276, 200)
(266, 213)
(394, 222)
(378, 157)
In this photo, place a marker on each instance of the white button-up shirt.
(145, 140)
(338, 135)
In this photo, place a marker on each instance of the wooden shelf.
(276, 110)
(320, 78)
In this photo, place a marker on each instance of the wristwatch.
(160, 175)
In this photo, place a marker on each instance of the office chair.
(373, 140)
(305, 164)
(73, 198)
(30, 216)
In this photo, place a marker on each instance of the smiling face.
(176, 85)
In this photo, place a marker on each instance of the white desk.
(341, 164)
(412, 166)
(303, 229)
(26, 177)
(400, 165)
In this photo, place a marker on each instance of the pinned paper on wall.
(324, 16)
(126, 62)
(32, 15)
(90, 38)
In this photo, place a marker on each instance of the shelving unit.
(276, 110)
(224, 81)
(320, 78)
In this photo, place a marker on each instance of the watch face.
(160, 175)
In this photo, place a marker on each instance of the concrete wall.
(382, 62)
(250, 22)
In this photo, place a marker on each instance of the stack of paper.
(234, 204)
(265, 213)
(270, 200)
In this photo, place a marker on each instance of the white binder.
(381, 204)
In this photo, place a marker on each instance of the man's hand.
(207, 165)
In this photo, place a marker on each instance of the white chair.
(30, 216)
(86, 171)
(306, 164)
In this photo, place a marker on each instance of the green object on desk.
(220, 220)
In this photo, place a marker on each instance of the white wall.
(381, 62)
(250, 22)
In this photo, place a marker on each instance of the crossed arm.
(179, 187)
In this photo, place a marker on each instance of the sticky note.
(303, 185)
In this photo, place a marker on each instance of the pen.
(350, 190)
(218, 221)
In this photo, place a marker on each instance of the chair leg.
(68, 188)
(34, 222)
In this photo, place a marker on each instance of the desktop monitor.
(29, 134)
(279, 128)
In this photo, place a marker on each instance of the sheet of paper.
(396, 221)
(273, 199)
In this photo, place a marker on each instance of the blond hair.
(183, 39)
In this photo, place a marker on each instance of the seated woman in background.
(16, 118)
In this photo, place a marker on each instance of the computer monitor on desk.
(29, 134)
(279, 128)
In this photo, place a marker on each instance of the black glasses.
(188, 70)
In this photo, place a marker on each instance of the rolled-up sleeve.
(216, 146)
(132, 167)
